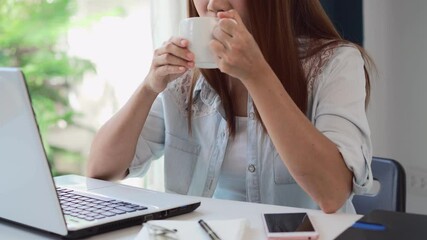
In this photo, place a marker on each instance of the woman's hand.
(169, 62)
(238, 54)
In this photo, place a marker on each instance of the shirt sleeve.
(151, 140)
(340, 114)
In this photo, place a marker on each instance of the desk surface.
(329, 226)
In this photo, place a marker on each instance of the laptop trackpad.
(144, 197)
(81, 183)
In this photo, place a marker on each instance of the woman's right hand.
(169, 62)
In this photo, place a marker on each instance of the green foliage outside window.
(32, 37)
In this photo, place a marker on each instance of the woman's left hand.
(238, 54)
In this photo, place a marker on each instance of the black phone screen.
(288, 222)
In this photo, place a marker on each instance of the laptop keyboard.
(91, 207)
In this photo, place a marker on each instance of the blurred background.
(84, 58)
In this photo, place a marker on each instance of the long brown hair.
(284, 22)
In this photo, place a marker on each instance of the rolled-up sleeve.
(339, 113)
(151, 140)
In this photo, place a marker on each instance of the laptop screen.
(25, 177)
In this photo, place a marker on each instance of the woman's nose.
(215, 6)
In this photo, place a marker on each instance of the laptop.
(87, 207)
(382, 224)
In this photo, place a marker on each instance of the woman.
(282, 121)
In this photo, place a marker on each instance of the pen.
(208, 230)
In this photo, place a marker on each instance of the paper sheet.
(232, 229)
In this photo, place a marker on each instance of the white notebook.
(232, 229)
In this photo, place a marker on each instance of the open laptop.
(28, 194)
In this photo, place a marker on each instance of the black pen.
(208, 230)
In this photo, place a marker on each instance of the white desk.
(329, 226)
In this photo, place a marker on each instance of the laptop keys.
(87, 207)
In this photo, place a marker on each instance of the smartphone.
(289, 226)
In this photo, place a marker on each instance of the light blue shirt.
(232, 179)
(336, 84)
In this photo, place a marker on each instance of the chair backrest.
(389, 176)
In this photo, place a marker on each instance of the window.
(119, 43)
(83, 60)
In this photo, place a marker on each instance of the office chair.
(389, 188)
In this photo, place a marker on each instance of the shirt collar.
(204, 91)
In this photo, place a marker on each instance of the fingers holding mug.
(170, 61)
(222, 37)
(176, 46)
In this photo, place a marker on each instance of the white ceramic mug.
(198, 31)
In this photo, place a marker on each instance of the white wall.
(396, 37)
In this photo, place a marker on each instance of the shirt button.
(252, 116)
(251, 168)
